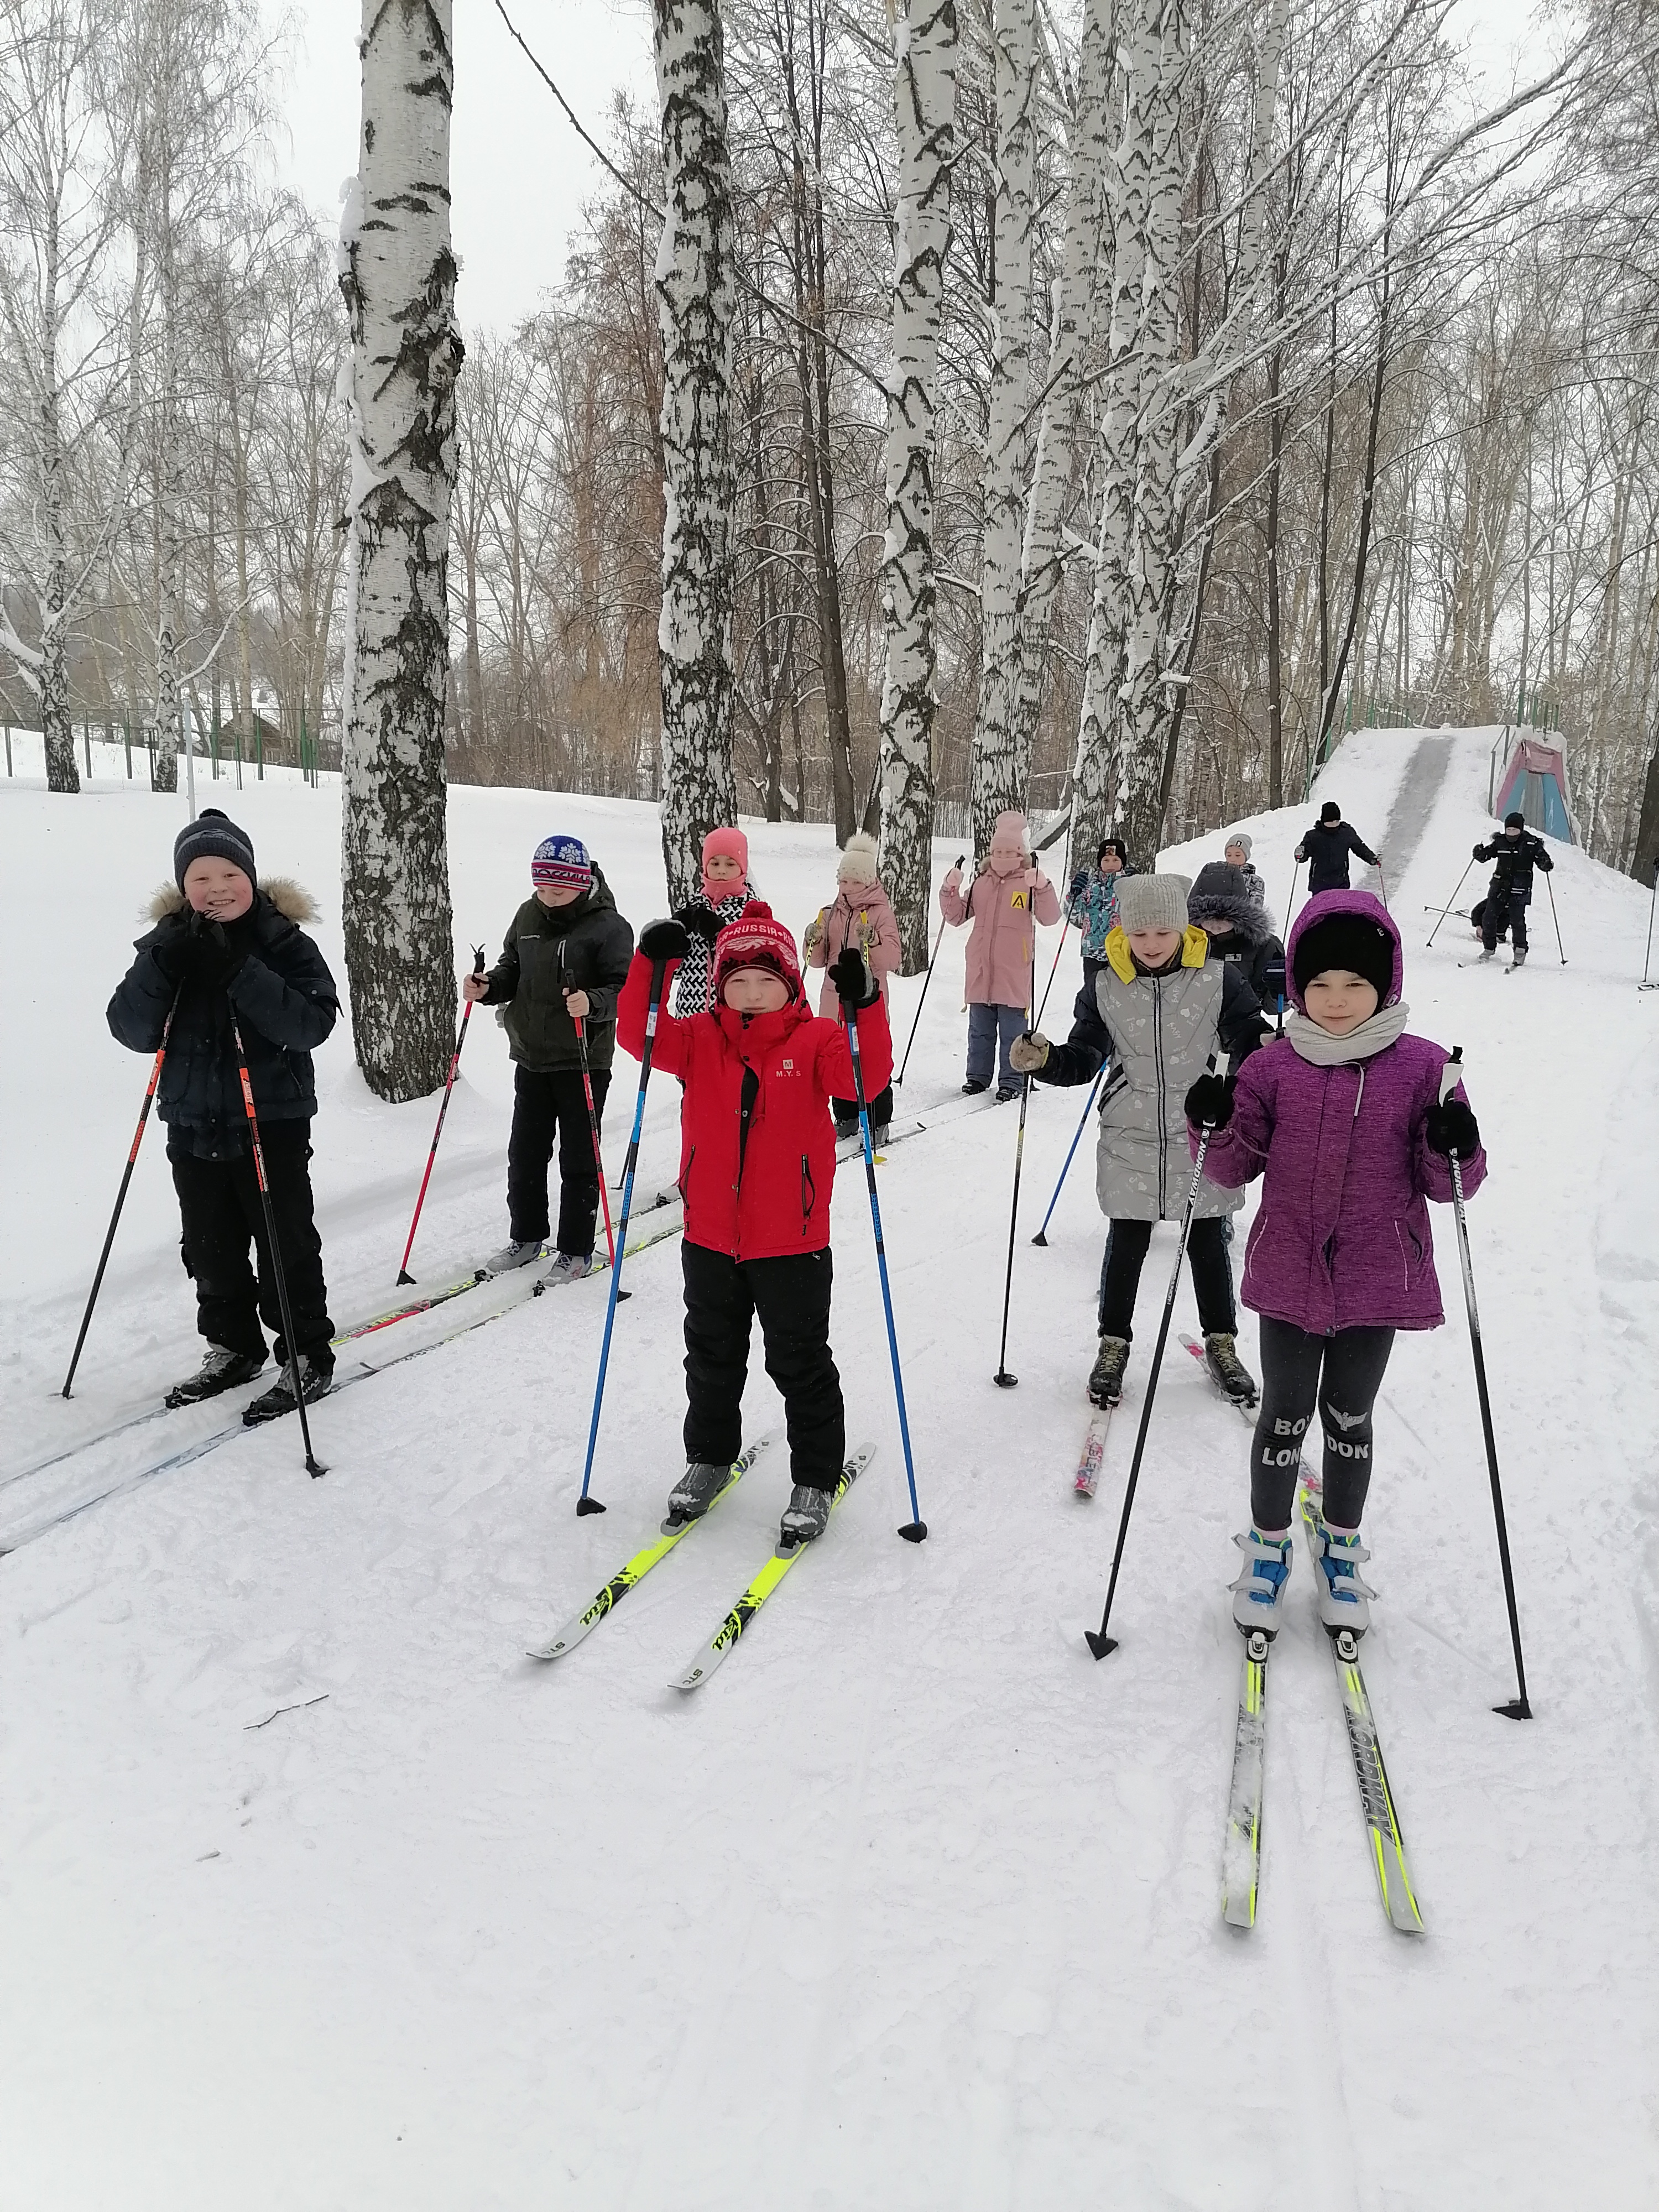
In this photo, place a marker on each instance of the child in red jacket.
(757, 1165)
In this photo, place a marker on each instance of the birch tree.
(696, 288)
(1001, 762)
(925, 94)
(397, 273)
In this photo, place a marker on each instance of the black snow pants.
(1207, 1255)
(550, 1109)
(220, 1213)
(1353, 1362)
(791, 1294)
(1501, 910)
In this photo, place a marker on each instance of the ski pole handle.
(1452, 1073)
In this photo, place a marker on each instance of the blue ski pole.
(916, 1527)
(1042, 1236)
(584, 1503)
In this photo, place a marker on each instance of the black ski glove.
(217, 960)
(1452, 1128)
(1209, 1103)
(1481, 853)
(854, 985)
(665, 940)
(171, 948)
(1080, 882)
(700, 921)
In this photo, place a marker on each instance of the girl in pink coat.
(861, 916)
(1342, 1118)
(1002, 900)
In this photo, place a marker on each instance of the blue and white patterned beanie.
(562, 860)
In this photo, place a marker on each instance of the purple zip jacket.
(1342, 1237)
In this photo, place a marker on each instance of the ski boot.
(1489, 952)
(1005, 1092)
(806, 1516)
(972, 1088)
(220, 1370)
(568, 1267)
(696, 1491)
(878, 1136)
(1259, 1593)
(315, 1382)
(515, 1254)
(845, 1129)
(1343, 1598)
(1106, 1376)
(1221, 1358)
(1518, 957)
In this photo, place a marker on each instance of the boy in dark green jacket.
(564, 958)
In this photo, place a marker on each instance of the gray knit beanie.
(213, 836)
(1152, 902)
(1241, 838)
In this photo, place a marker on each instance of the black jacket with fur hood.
(285, 1003)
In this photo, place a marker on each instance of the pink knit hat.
(725, 845)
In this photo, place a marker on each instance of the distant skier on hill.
(1342, 1118)
(1517, 853)
(1326, 848)
(757, 1166)
(226, 948)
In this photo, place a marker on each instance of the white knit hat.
(1152, 902)
(1240, 837)
(857, 865)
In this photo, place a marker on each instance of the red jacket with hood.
(758, 1146)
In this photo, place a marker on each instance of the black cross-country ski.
(1387, 1846)
(1241, 1863)
(754, 1597)
(1092, 1457)
(607, 1600)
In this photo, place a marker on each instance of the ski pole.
(1653, 902)
(594, 1130)
(1517, 1709)
(1002, 1378)
(121, 1194)
(916, 1528)
(658, 968)
(1064, 927)
(1384, 881)
(1041, 1236)
(1549, 885)
(313, 1465)
(1451, 906)
(1290, 903)
(403, 1275)
(1098, 1641)
(922, 1001)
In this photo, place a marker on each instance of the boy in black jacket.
(224, 949)
(1326, 848)
(565, 956)
(1517, 853)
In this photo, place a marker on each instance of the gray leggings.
(1353, 1362)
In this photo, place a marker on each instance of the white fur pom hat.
(1153, 902)
(857, 865)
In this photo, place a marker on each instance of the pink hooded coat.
(865, 906)
(1001, 901)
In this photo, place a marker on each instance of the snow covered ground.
(914, 1905)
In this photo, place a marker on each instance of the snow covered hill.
(319, 1894)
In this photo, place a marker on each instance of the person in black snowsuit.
(1240, 930)
(1517, 853)
(1326, 848)
(225, 947)
(565, 956)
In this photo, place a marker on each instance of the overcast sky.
(518, 173)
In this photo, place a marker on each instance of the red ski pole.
(403, 1275)
(121, 1195)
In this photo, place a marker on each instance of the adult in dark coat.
(226, 953)
(1326, 848)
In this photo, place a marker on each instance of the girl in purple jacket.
(1342, 1118)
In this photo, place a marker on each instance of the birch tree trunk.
(170, 479)
(1001, 763)
(695, 286)
(398, 278)
(924, 102)
(1074, 315)
(50, 672)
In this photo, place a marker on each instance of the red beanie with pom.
(755, 939)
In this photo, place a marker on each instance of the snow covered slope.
(317, 1894)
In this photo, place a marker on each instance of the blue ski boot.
(1259, 1593)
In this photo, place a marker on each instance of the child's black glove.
(854, 985)
(1080, 882)
(665, 941)
(171, 948)
(1209, 1103)
(1452, 1128)
(700, 920)
(215, 961)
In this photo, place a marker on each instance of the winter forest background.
(1096, 408)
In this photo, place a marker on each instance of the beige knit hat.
(1152, 902)
(857, 865)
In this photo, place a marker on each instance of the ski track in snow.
(915, 1905)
